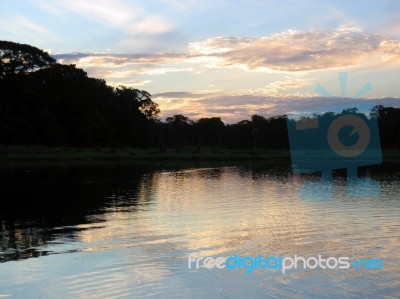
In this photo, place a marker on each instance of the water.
(125, 231)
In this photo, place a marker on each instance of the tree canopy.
(16, 58)
(43, 102)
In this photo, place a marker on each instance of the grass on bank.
(42, 153)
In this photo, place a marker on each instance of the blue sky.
(220, 58)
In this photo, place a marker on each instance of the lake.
(120, 230)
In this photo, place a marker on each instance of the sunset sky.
(221, 58)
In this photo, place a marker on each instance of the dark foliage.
(46, 103)
(16, 58)
(389, 126)
(59, 105)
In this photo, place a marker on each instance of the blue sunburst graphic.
(343, 86)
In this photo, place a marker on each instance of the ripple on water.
(135, 242)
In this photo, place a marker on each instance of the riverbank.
(41, 153)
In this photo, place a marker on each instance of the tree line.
(43, 102)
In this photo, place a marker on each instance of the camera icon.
(323, 143)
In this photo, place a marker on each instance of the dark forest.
(46, 103)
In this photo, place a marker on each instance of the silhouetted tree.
(389, 125)
(210, 131)
(179, 131)
(20, 58)
(47, 103)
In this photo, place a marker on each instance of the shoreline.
(41, 153)
(20, 154)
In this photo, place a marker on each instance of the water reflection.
(42, 204)
(120, 230)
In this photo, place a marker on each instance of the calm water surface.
(125, 231)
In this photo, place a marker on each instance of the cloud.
(219, 45)
(290, 83)
(163, 71)
(290, 51)
(130, 83)
(153, 24)
(195, 106)
(299, 50)
(27, 24)
(290, 56)
(116, 68)
(179, 94)
(235, 108)
(85, 60)
(132, 19)
(107, 12)
(280, 87)
(393, 18)
(21, 26)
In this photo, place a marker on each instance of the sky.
(228, 59)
